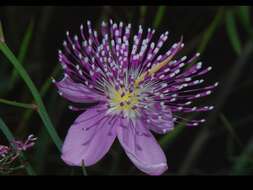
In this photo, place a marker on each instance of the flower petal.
(141, 147)
(158, 119)
(89, 138)
(76, 92)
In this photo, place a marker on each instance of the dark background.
(223, 145)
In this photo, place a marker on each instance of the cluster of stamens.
(135, 79)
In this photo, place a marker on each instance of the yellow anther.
(153, 70)
(124, 99)
(156, 67)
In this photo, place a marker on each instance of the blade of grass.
(232, 32)
(10, 137)
(22, 52)
(18, 104)
(211, 29)
(41, 108)
(159, 16)
(244, 15)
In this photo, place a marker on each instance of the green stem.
(18, 104)
(84, 169)
(211, 29)
(232, 32)
(159, 16)
(41, 108)
(1, 33)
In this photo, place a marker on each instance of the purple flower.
(136, 90)
(22, 146)
(4, 150)
(9, 154)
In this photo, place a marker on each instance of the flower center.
(124, 101)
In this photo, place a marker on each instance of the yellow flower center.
(124, 100)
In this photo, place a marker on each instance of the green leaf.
(10, 138)
(159, 16)
(210, 30)
(41, 108)
(244, 15)
(6, 130)
(22, 52)
(232, 32)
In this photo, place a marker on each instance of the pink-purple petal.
(141, 147)
(77, 92)
(89, 138)
(158, 119)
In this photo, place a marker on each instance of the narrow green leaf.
(10, 138)
(210, 30)
(159, 16)
(232, 32)
(6, 130)
(22, 51)
(18, 104)
(41, 108)
(244, 15)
